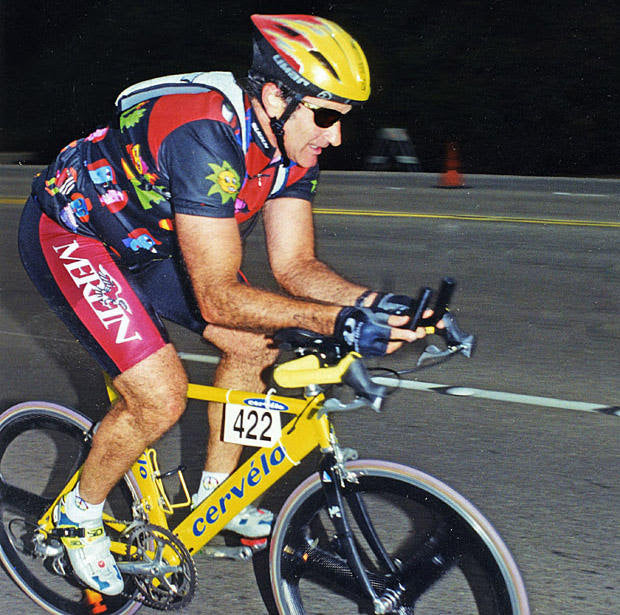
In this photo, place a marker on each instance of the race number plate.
(251, 426)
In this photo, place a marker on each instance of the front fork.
(339, 484)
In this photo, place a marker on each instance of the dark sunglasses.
(323, 117)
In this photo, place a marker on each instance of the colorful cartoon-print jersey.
(178, 153)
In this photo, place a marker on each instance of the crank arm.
(146, 568)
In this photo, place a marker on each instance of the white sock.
(208, 482)
(79, 510)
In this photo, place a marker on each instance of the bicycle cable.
(294, 422)
(419, 368)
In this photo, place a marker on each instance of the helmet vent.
(288, 30)
(323, 60)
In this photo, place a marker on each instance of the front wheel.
(42, 445)
(425, 549)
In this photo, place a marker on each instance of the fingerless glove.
(362, 330)
(389, 303)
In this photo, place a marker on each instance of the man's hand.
(393, 304)
(387, 303)
(372, 334)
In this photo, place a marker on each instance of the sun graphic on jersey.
(225, 180)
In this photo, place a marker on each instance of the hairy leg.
(153, 397)
(244, 356)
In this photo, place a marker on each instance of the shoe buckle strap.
(68, 532)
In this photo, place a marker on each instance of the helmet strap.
(277, 126)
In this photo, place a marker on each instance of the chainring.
(166, 575)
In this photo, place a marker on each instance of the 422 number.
(251, 426)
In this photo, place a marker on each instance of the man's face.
(304, 140)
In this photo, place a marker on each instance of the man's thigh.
(92, 296)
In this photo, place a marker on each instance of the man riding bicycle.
(144, 219)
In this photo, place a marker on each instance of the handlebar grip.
(421, 304)
(446, 289)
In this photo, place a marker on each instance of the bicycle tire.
(455, 560)
(31, 434)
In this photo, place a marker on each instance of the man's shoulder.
(179, 109)
(207, 116)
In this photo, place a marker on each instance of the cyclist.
(144, 219)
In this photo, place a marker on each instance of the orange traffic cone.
(451, 177)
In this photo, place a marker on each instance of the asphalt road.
(537, 265)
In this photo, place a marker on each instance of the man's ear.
(273, 101)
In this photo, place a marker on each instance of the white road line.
(583, 194)
(431, 387)
(199, 358)
(532, 400)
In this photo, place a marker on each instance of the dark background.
(523, 87)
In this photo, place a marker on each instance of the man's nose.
(334, 135)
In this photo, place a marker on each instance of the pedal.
(240, 553)
(256, 544)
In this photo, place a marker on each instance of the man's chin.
(306, 160)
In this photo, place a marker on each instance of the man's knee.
(243, 347)
(154, 392)
(259, 355)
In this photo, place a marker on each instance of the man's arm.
(289, 230)
(212, 251)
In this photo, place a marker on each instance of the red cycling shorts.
(115, 313)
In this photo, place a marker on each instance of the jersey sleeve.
(205, 168)
(300, 184)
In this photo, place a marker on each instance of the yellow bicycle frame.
(299, 437)
(267, 465)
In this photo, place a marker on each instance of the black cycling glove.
(363, 330)
(389, 303)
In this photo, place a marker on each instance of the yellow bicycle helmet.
(311, 56)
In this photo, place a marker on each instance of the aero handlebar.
(356, 376)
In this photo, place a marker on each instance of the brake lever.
(433, 353)
(335, 405)
(455, 337)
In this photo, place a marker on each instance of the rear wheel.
(41, 446)
(425, 548)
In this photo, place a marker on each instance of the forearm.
(243, 307)
(313, 279)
